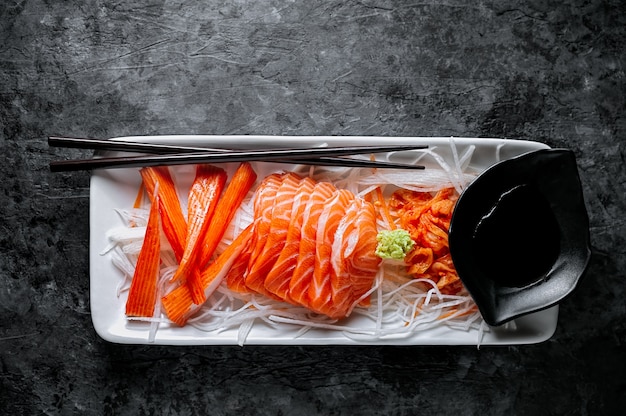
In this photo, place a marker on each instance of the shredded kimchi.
(427, 219)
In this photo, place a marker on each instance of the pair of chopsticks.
(161, 154)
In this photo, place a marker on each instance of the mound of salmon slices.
(312, 245)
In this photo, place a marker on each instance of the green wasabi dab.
(394, 244)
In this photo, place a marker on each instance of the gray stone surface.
(550, 71)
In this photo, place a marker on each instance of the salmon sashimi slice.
(340, 279)
(354, 261)
(172, 219)
(280, 218)
(235, 276)
(278, 278)
(262, 204)
(320, 289)
(305, 265)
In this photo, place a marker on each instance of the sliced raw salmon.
(280, 217)
(278, 278)
(262, 205)
(311, 245)
(235, 276)
(320, 288)
(305, 266)
(354, 262)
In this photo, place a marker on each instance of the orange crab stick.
(139, 197)
(203, 198)
(172, 218)
(241, 182)
(143, 288)
(179, 305)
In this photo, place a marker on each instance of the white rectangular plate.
(117, 188)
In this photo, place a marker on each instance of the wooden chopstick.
(188, 155)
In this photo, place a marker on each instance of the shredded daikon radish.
(134, 217)
(124, 236)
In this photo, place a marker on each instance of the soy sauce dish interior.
(519, 236)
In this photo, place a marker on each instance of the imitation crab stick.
(241, 182)
(179, 304)
(203, 197)
(143, 288)
(172, 218)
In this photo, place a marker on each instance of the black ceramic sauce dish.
(519, 235)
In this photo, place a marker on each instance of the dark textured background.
(551, 71)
